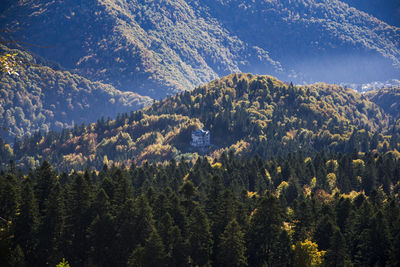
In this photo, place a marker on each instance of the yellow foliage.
(352, 195)
(186, 177)
(252, 194)
(331, 178)
(307, 190)
(105, 160)
(8, 63)
(216, 165)
(396, 153)
(291, 134)
(358, 163)
(252, 213)
(313, 182)
(306, 254)
(267, 175)
(284, 184)
(240, 147)
(333, 164)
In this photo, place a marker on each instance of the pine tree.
(102, 232)
(264, 231)
(26, 224)
(200, 238)
(45, 181)
(144, 222)
(152, 253)
(125, 238)
(323, 232)
(337, 255)
(123, 189)
(9, 196)
(304, 219)
(78, 220)
(231, 249)
(178, 248)
(52, 227)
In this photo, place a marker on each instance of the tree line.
(324, 210)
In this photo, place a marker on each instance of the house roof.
(200, 132)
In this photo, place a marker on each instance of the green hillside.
(41, 98)
(388, 99)
(246, 114)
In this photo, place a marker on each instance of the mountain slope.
(245, 113)
(151, 47)
(321, 40)
(388, 10)
(41, 98)
(388, 99)
(162, 47)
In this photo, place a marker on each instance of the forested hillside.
(152, 47)
(387, 11)
(313, 40)
(158, 48)
(246, 114)
(41, 98)
(323, 210)
(132, 133)
(388, 99)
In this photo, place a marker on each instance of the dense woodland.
(389, 11)
(157, 48)
(245, 113)
(46, 98)
(294, 176)
(388, 99)
(324, 210)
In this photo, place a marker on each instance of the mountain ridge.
(245, 113)
(41, 98)
(159, 48)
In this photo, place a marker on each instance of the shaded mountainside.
(162, 47)
(246, 114)
(388, 10)
(150, 47)
(41, 98)
(319, 40)
(388, 99)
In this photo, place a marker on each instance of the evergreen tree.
(152, 253)
(52, 227)
(304, 220)
(125, 237)
(324, 232)
(45, 181)
(265, 228)
(200, 238)
(9, 196)
(102, 232)
(26, 224)
(231, 249)
(123, 189)
(78, 220)
(336, 255)
(178, 253)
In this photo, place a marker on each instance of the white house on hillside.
(200, 138)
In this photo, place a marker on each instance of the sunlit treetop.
(9, 63)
